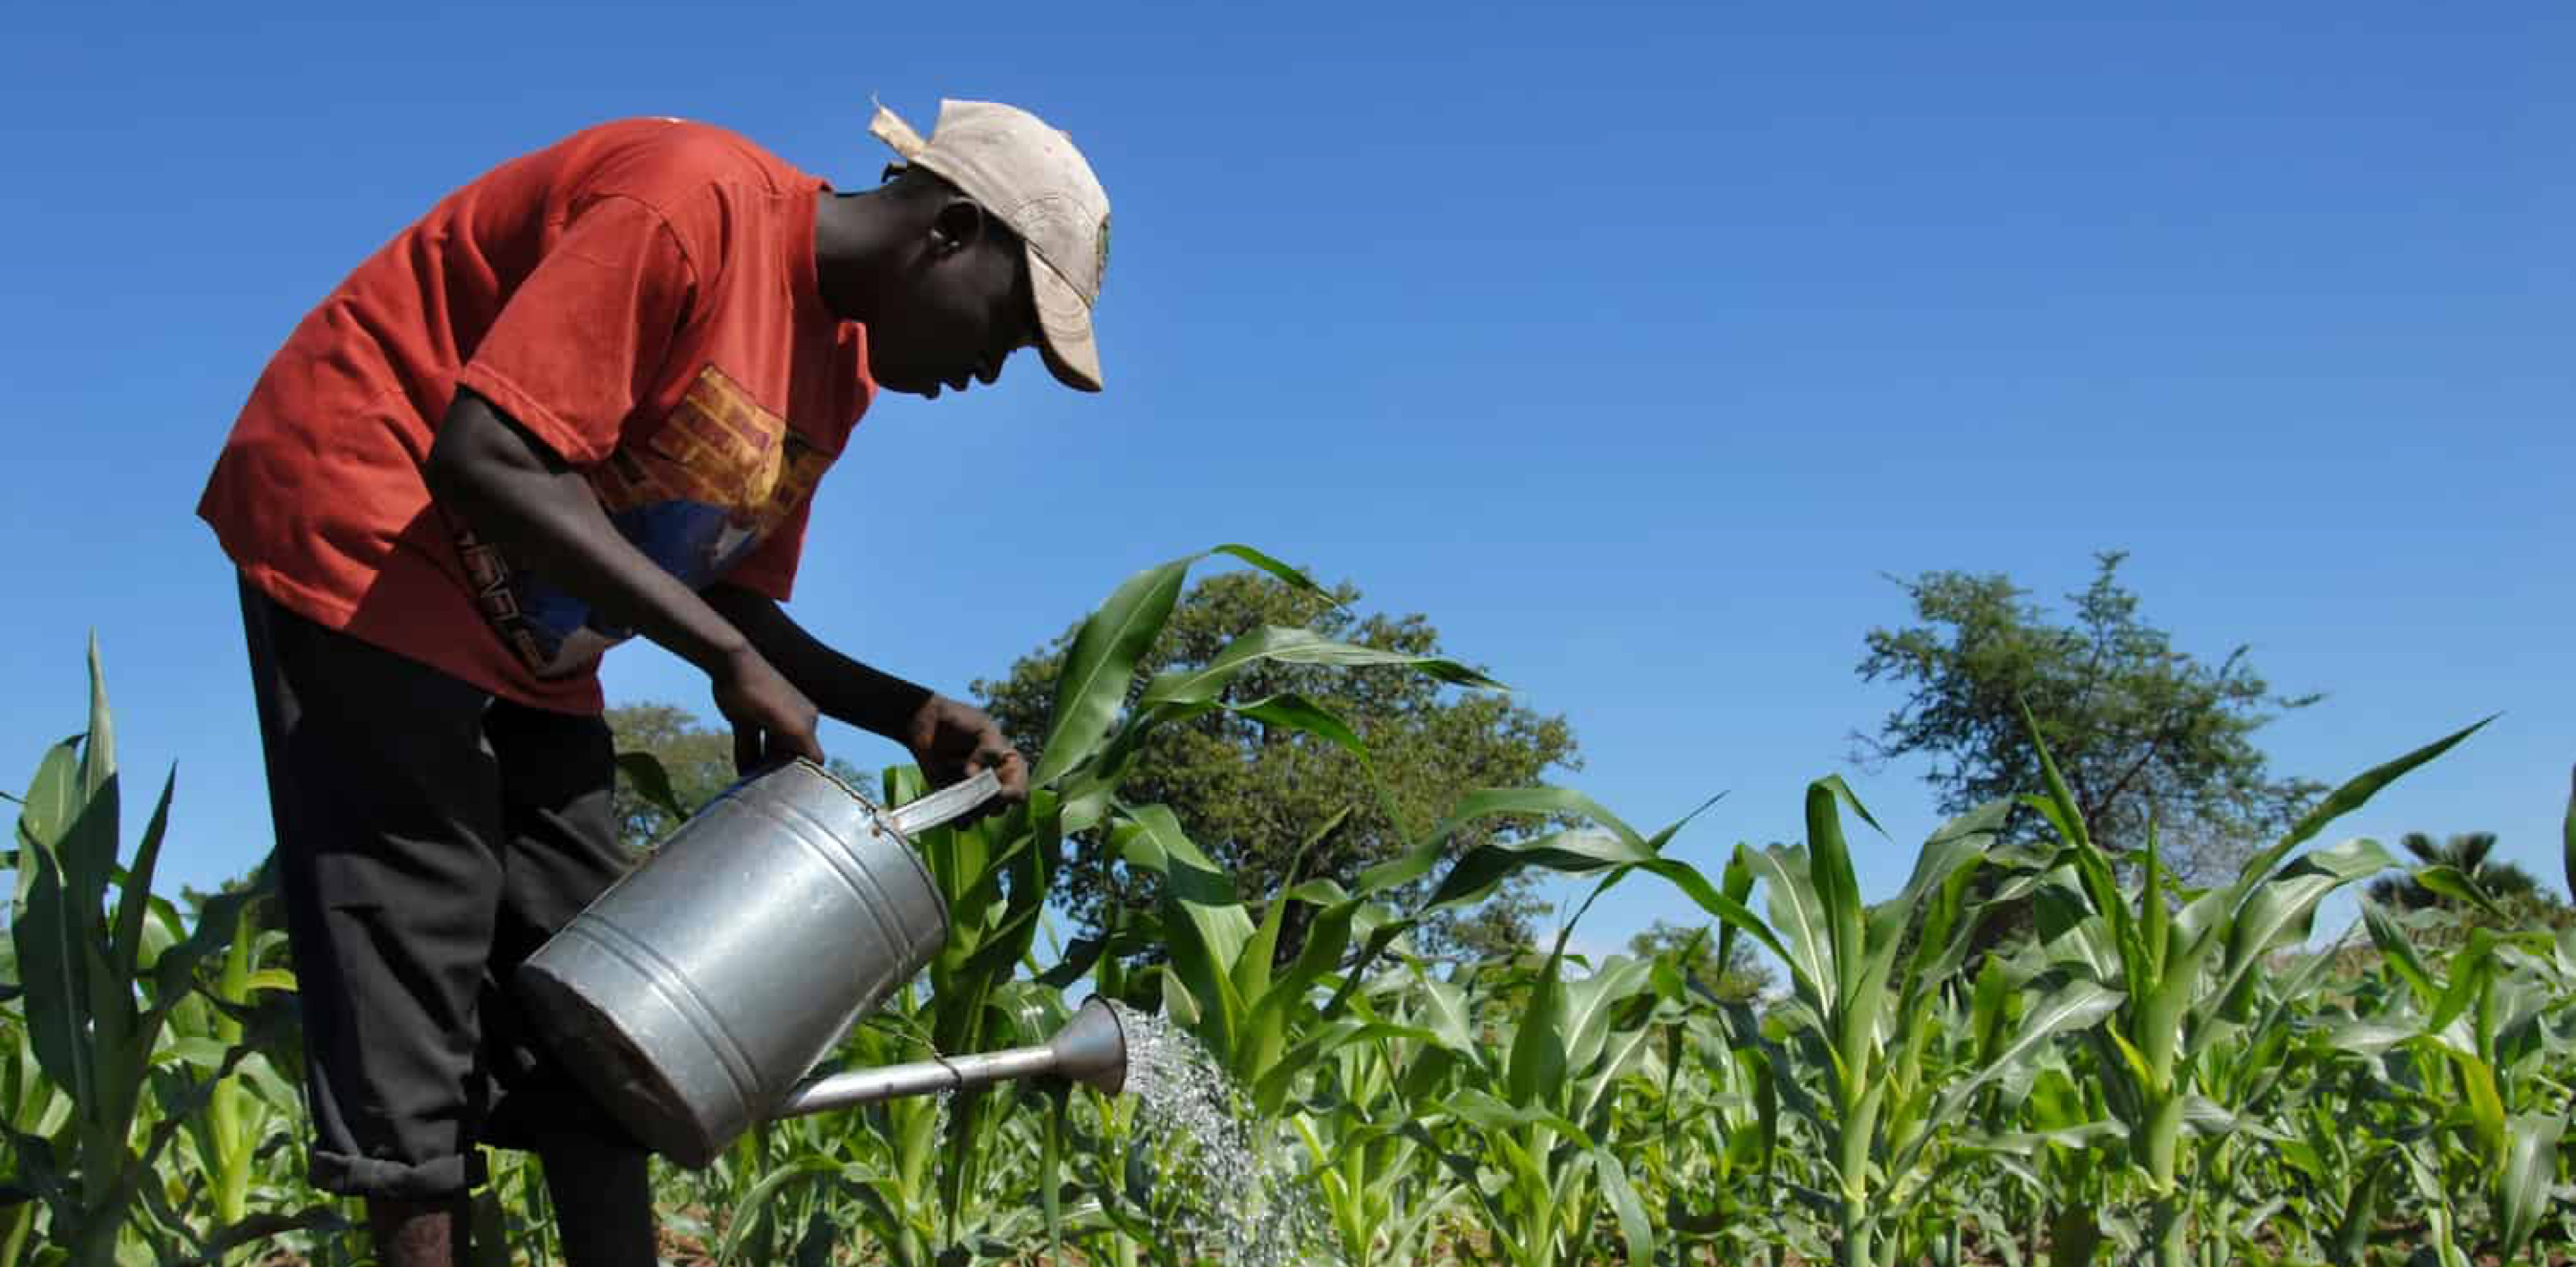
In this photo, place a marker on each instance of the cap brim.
(1065, 320)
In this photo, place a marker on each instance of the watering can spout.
(1091, 1049)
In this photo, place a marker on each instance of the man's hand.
(772, 720)
(954, 741)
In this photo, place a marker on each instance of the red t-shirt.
(642, 298)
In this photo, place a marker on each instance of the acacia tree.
(1255, 796)
(2141, 731)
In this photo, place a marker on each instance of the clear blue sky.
(1632, 344)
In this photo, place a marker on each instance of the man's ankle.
(419, 1233)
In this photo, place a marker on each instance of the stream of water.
(1240, 1200)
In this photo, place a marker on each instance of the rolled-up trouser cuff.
(397, 1180)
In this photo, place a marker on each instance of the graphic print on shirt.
(695, 496)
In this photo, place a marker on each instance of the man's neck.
(851, 240)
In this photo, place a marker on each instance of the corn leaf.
(2530, 1165)
(126, 940)
(1474, 870)
(1289, 645)
(2155, 918)
(1589, 1006)
(2482, 1101)
(1101, 661)
(1212, 930)
(2360, 1215)
(1294, 578)
(2567, 838)
(2397, 951)
(1538, 1059)
(2073, 1005)
(2282, 909)
(1634, 1231)
(98, 755)
(652, 783)
(2461, 887)
(51, 932)
(1798, 920)
(1482, 1108)
(2357, 791)
(2470, 969)
(2369, 1038)
(1836, 891)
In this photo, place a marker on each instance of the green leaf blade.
(2530, 1167)
(1100, 663)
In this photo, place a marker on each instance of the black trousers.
(429, 838)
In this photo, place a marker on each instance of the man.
(587, 396)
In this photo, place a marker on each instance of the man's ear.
(958, 227)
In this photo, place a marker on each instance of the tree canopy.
(2142, 731)
(1743, 977)
(1253, 796)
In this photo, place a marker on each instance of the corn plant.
(2185, 977)
(1868, 981)
(1715, 1155)
(1539, 1114)
(100, 992)
(2479, 1037)
(1383, 1191)
(1126, 1216)
(252, 1113)
(1220, 979)
(2050, 1181)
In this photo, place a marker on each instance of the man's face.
(959, 311)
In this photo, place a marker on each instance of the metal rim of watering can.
(931, 809)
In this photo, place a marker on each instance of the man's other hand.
(953, 741)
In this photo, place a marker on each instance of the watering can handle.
(927, 812)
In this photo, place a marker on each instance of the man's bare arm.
(949, 739)
(523, 497)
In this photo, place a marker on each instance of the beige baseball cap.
(1016, 167)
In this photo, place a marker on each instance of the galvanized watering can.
(697, 992)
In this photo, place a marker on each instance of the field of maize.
(2156, 1074)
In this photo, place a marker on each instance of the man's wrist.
(877, 702)
(884, 704)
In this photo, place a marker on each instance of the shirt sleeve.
(578, 346)
(770, 568)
